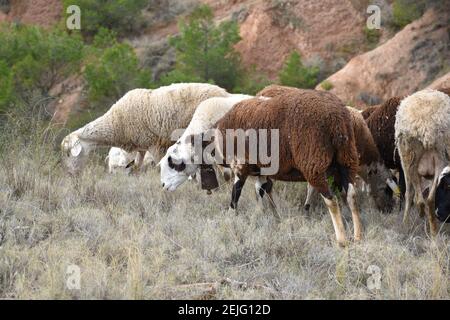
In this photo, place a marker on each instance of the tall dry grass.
(131, 240)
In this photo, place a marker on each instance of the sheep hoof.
(342, 243)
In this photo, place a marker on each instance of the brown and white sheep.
(422, 135)
(381, 123)
(371, 168)
(140, 120)
(316, 140)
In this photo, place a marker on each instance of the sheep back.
(314, 126)
(381, 124)
(365, 144)
(425, 117)
(143, 118)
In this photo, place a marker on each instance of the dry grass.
(131, 240)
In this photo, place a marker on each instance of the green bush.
(372, 36)
(6, 85)
(326, 85)
(177, 76)
(122, 16)
(206, 51)
(252, 82)
(113, 73)
(35, 60)
(295, 74)
(406, 11)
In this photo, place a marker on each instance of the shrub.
(36, 60)
(122, 16)
(295, 74)
(176, 76)
(251, 82)
(206, 51)
(6, 86)
(372, 36)
(115, 72)
(406, 11)
(326, 85)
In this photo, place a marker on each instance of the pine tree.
(295, 74)
(206, 51)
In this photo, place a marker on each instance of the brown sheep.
(275, 90)
(368, 111)
(316, 141)
(381, 123)
(370, 168)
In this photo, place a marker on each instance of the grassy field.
(131, 240)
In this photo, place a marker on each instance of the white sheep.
(121, 160)
(204, 118)
(422, 135)
(140, 120)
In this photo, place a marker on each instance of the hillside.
(327, 33)
(410, 61)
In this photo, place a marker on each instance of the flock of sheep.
(404, 141)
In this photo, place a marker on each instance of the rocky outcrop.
(409, 61)
(442, 82)
(37, 12)
(329, 30)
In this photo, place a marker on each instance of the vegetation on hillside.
(406, 11)
(205, 50)
(123, 17)
(296, 74)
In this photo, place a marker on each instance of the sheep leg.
(310, 193)
(336, 218)
(332, 204)
(263, 188)
(410, 159)
(351, 200)
(139, 159)
(431, 201)
(239, 182)
(401, 183)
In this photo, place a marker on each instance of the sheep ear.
(76, 149)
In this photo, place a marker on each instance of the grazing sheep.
(141, 119)
(371, 169)
(121, 160)
(204, 118)
(274, 90)
(316, 140)
(422, 136)
(381, 123)
(368, 111)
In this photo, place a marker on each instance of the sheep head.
(442, 199)
(182, 161)
(382, 186)
(74, 153)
